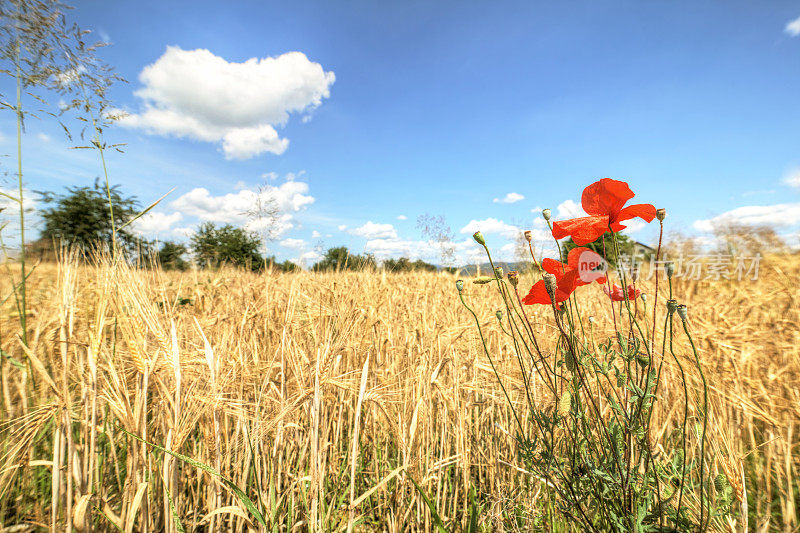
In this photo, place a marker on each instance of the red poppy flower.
(585, 265)
(618, 295)
(565, 286)
(604, 201)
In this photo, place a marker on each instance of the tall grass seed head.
(482, 280)
(478, 236)
(683, 312)
(661, 214)
(546, 214)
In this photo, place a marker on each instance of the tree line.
(79, 217)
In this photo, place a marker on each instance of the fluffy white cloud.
(198, 95)
(569, 209)
(780, 215)
(285, 200)
(371, 230)
(402, 217)
(315, 234)
(509, 198)
(793, 27)
(342, 227)
(792, 179)
(155, 223)
(492, 226)
(297, 244)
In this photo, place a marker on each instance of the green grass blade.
(436, 518)
(247, 502)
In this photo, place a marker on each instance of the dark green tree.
(214, 246)
(340, 258)
(170, 256)
(404, 264)
(80, 217)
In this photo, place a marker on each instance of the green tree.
(340, 258)
(170, 256)
(404, 264)
(214, 246)
(80, 217)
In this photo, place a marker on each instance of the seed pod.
(643, 297)
(591, 320)
(672, 306)
(513, 278)
(499, 314)
(683, 312)
(460, 285)
(478, 236)
(546, 214)
(565, 404)
(661, 214)
(483, 280)
(669, 268)
(527, 235)
(643, 360)
(498, 271)
(551, 285)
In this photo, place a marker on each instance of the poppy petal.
(606, 197)
(556, 268)
(582, 230)
(537, 294)
(646, 212)
(574, 262)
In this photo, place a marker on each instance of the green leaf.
(247, 502)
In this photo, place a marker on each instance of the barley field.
(324, 397)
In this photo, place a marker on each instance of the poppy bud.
(591, 320)
(672, 306)
(478, 236)
(661, 214)
(551, 285)
(460, 285)
(682, 312)
(498, 271)
(513, 278)
(499, 314)
(669, 268)
(546, 214)
(644, 298)
(527, 234)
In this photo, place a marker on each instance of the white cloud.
(492, 226)
(232, 208)
(509, 198)
(569, 209)
(371, 230)
(43, 137)
(342, 227)
(155, 223)
(633, 225)
(793, 27)
(770, 215)
(296, 244)
(792, 179)
(537, 209)
(402, 217)
(197, 95)
(315, 234)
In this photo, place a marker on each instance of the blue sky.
(397, 109)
